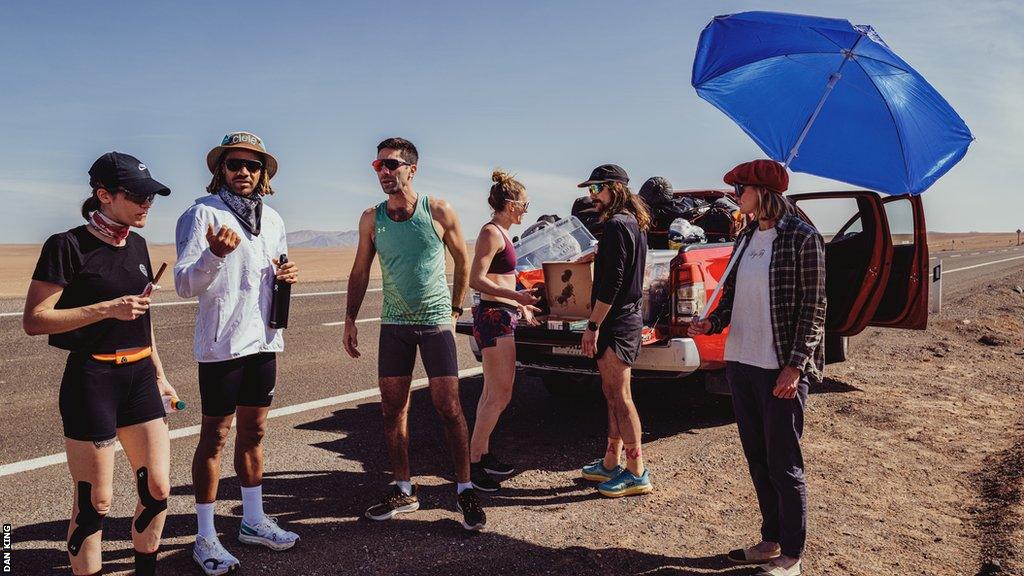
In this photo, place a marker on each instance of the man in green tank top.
(409, 233)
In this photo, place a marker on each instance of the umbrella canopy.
(829, 98)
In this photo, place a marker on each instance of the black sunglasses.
(140, 199)
(391, 164)
(235, 164)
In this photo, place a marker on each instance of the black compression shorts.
(245, 381)
(97, 398)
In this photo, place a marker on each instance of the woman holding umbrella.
(774, 303)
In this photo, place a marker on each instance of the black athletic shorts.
(397, 353)
(245, 381)
(97, 398)
(622, 335)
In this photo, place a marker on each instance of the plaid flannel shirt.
(796, 292)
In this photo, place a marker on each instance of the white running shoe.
(266, 532)
(211, 556)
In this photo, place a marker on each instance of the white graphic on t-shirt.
(142, 268)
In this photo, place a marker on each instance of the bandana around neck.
(246, 209)
(109, 228)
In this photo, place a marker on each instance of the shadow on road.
(537, 432)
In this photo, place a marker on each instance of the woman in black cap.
(613, 333)
(89, 293)
(773, 302)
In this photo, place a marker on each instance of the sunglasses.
(391, 164)
(595, 189)
(235, 165)
(526, 205)
(140, 199)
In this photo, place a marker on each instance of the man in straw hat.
(228, 247)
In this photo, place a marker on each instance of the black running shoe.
(473, 516)
(396, 502)
(493, 466)
(481, 479)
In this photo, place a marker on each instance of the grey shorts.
(397, 354)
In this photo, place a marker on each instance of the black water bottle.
(281, 300)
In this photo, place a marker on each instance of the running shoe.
(211, 556)
(494, 466)
(481, 479)
(596, 472)
(473, 515)
(396, 502)
(626, 484)
(267, 533)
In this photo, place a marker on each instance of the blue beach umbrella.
(830, 98)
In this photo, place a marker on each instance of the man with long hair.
(616, 321)
(228, 248)
(410, 233)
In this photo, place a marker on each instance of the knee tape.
(88, 520)
(151, 507)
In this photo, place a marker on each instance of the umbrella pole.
(832, 80)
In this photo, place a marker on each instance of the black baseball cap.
(606, 173)
(116, 170)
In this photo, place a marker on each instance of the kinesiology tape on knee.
(151, 507)
(88, 521)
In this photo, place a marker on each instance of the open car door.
(858, 255)
(905, 301)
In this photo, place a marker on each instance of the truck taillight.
(689, 297)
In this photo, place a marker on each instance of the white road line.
(360, 321)
(44, 461)
(975, 253)
(955, 255)
(944, 272)
(195, 302)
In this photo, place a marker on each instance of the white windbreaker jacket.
(234, 292)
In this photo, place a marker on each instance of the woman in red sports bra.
(501, 308)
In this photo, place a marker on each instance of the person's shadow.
(536, 432)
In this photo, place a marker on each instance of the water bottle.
(172, 404)
(281, 300)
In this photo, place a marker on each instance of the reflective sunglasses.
(235, 165)
(391, 164)
(140, 199)
(526, 205)
(595, 189)
(738, 188)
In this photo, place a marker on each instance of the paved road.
(325, 462)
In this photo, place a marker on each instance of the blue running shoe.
(596, 472)
(626, 484)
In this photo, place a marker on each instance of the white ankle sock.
(204, 514)
(460, 486)
(252, 504)
(405, 486)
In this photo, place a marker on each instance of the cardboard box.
(568, 287)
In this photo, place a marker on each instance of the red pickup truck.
(876, 259)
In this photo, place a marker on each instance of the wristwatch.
(457, 310)
(593, 326)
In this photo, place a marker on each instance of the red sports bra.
(504, 262)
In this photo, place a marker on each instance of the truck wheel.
(571, 385)
(835, 348)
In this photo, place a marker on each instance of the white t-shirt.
(751, 340)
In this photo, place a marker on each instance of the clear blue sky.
(547, 90)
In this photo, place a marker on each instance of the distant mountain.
(321, 239)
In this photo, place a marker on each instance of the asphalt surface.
(325, 462)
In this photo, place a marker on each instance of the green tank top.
(412, 262)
